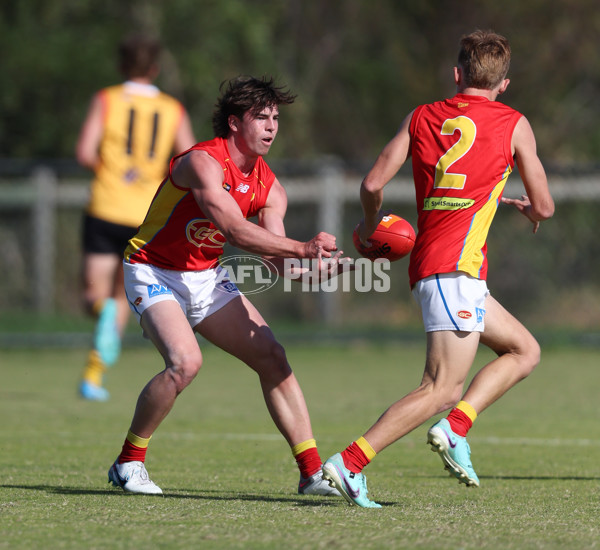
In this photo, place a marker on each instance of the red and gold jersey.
(461, 157)
(140, 124)
(176, 234)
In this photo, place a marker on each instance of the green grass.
(229, 478)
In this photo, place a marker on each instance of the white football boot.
(133, 478)
(316, 485)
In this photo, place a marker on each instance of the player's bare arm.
(271, 216)
(389, 161)
(202, 174)
(86, 150)
(537, 204)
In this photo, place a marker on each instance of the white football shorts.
(452, 301)
(199, 293)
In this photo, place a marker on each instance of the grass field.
(229, 478)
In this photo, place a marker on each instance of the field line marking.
(511, 441)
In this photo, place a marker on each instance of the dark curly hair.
(246, 94)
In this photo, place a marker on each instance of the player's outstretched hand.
(523, 205)
(320, 246)
(331, 267)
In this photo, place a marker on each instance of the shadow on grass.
(525, 478)
(451, 479)
(314, 501)
(543, 478)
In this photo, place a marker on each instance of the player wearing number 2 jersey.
(457, 200)
(463, 150)
(127, 138)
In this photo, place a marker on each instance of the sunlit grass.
(229, 478)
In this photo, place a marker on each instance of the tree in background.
(356, 65)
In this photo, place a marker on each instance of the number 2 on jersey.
(444, 179)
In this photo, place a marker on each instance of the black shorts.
(101, 237)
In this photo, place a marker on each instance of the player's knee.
(278, 356)
(273, 360)
(183, 369)
(531, 355)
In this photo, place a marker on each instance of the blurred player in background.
(130, 132)
(177, 288)
(462, 150)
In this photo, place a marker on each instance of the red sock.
(354, 458)
(130, 452)
(459, 422)
(309, 462)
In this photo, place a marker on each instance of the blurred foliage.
(358, 66)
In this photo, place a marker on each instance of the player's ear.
(234, 123)
(154, 72)
(457, 75)
(503, 85)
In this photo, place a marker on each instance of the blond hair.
(484, 57)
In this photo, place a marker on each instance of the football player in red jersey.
(176, 286)
(463, 150)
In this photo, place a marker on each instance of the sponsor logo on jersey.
(226, 186)
(242, 188)
(157, 290)
(447, 203)
(200, 233)
(131, 175)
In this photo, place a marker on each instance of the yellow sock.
(307, 457)
(97, 306)
(467, 409)
(366, 448)
(301, 447)
(95, 369)
(141, 442)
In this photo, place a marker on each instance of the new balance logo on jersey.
(242, 188)
(157, 290)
